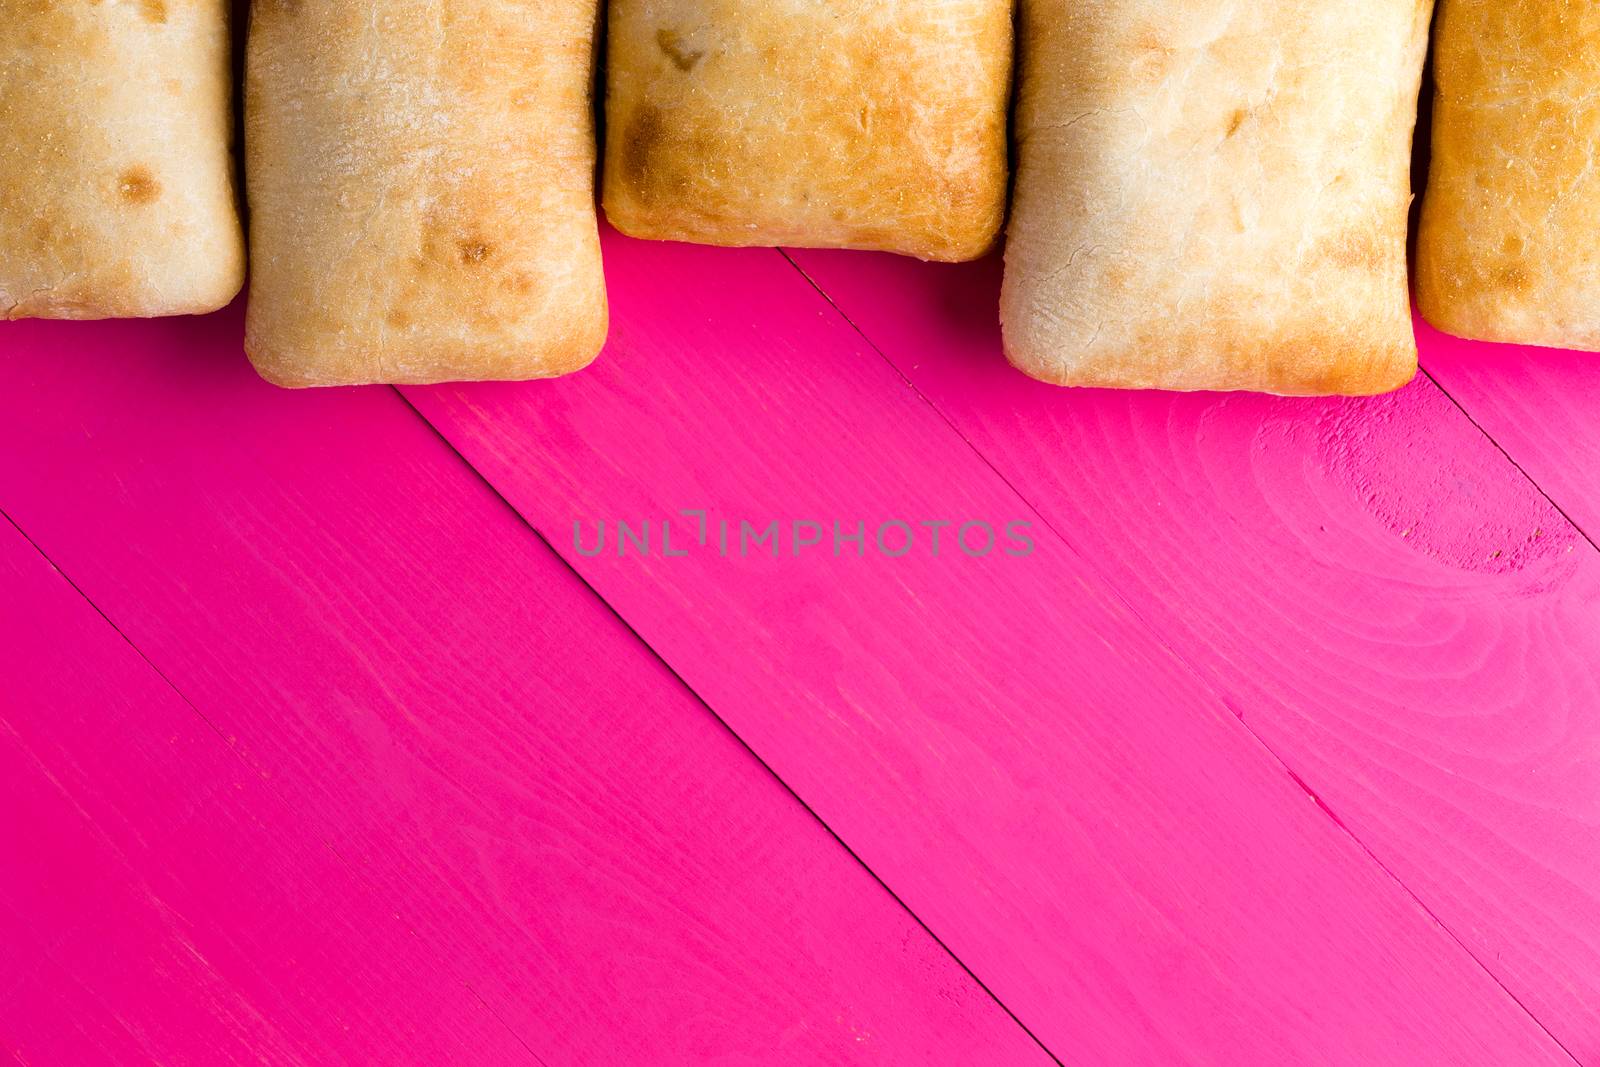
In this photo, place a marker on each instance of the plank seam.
(1511, 460)
(254, 770)
(716, 717)
(1208, 687)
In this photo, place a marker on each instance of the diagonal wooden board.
(1067, 804)
(404, 670)
(161, 903)
(1373, 589)
(1541, 405)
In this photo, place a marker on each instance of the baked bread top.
(1214, 194)
(421, 178)
(116, 174)
(1509, 245)
(876, 124)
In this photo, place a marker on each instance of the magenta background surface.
(320, 743)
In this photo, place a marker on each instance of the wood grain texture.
(1065, 803)
(161, 903)
(448, 709)
(1369, 585)
(1541, 405)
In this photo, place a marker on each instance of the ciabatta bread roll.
(1509, 248)
(421, 180)
(116, 175)
(874, 124)
(1213, 194)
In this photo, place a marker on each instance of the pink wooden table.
(324, 741)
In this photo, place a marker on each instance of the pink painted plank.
(1541, 405)
(452, 712)
(1057, 796)
(160, 903)
(1373, 589)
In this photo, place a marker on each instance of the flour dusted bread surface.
(1213, 194)
(116, 176)
(421, 180)
(1509, 248)
(876, 124)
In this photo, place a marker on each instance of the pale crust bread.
(421, 182)
(1509, 246)
(1213, 194)
(876, 124)
(116, 174)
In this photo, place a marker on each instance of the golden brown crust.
(116, 175)
(421, 178)
(1509, 246)
(877, 124)
(1213, 195)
